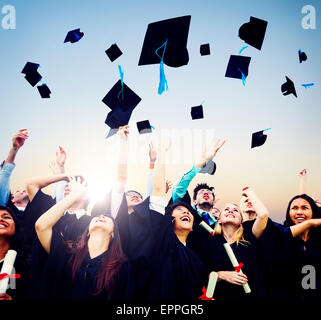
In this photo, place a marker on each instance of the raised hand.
(210, 151)
(303, 173)
(123, 133)
(152, 152)
(61, 157)
(78, 187)
(19, 139)
(168, 186)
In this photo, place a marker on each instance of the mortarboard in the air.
(253, 32)
(113, 52)
(44, 91)
(173, 32)
(210, 168)
(302, 56)
(117, 118)
(144, 127)
(121, 97)
(31, 73)
(238, 67)
(205, 49)
(288, 87)
(74, 36)
(197, 112)
(258, 138)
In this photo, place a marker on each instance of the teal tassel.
(162, 79)
(121, 72)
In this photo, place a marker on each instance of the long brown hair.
(111, 262)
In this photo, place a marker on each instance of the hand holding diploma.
(7, 269)
(237, 267)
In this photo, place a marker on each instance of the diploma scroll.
(205, 226)
(7, 268)
(211, 284)
(235, 264)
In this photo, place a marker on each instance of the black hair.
(202, 186)
(135, 192)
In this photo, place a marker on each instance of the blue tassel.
(121, 72)
(243, 77)
(162, 79)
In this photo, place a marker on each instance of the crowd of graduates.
(128, 248)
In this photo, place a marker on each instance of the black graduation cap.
(258, 139)
(210, 168)
(197, 112)
(236, 66)
(74, 36)
(144, 127)
(205, 49)
(302, 56)
(117, 118)
(175, 32)
(31, 73)
(288, 87)
(44, 91)
(253, 32)
(121, 97)
(113, 52)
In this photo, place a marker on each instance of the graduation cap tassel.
(243, 77)
(162, 78)
(121, 72)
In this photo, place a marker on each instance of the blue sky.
(80, 74)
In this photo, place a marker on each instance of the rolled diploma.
(205, 226)
(211, 284)
(232, 257)
(7, 268)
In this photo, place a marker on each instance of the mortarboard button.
(205, 49)
(113, 52)
(31, 73)
(288, 87)
(44, 91)
(302, 56)
(197, 112)
(121, 97)
(144, 127)
(253, 32)
(237, 67)
(258, 139)
(175, 32)
(74, 36)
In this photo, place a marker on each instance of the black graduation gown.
(164, 269)
(54, 280)
(285, 258)
(246, 253)
(198, 239)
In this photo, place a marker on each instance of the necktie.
(206, 217)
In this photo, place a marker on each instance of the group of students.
(130, 249)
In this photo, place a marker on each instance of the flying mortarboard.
(205, 49)
(117, 118)
(258, 138)
(253, 32)
(144, 127)
(175, 32)
(113, 52)
(126, 101)
(210, 168)
(302, 56)
(288, 87)
(238, 67)
(74, 36)
(197, 112)
(44, 91)
(31, 73)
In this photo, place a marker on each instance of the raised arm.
(58, 167)
(303, 181)
(209, 152)
(46, 221)
(8, 165)
(123, 133)
(262, 212)
(33, 185)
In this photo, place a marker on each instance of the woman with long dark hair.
(91, 268)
